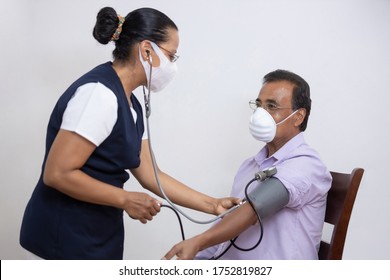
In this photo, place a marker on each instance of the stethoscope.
(148, 112)
(262, 175)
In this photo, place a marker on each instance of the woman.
(94, 135)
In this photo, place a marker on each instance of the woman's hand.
(67, 177)
(141, 206)
(223, 204)
(176, 191)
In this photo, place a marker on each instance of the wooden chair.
(341, 198)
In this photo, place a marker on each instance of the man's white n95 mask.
(161, 75)
(262, 125)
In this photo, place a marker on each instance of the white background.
(200, 122)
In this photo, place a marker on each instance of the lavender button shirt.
(295, 231)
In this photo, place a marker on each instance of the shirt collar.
(284, 151)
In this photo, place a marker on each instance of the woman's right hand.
(141, 206)
(67, 177)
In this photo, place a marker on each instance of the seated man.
(292, 229)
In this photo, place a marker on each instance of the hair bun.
(107, 22)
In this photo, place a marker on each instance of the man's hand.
(185, 250)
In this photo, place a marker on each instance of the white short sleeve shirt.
(92, 112)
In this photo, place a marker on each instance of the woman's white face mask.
(262, 125)
(161, 75)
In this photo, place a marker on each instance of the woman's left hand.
(224, 204)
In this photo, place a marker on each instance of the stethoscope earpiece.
(148, 56)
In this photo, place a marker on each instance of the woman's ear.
(146, 48)
(148, 54)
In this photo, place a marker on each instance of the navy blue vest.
(56, 226)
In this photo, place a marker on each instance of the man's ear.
(300, 117)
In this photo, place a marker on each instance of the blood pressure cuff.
(268, 197)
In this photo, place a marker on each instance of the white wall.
(199, 123)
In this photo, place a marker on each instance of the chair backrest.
(341, 198)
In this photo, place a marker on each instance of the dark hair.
(141, 24)
(301, 91)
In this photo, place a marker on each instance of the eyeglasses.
(270, 107)
(172, 57)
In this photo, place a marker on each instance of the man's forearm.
(228, 228)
